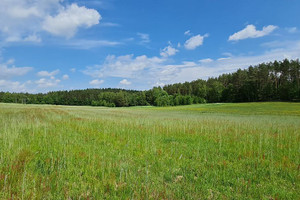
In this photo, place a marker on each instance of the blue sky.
(48, 45)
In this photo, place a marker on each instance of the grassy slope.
(210, 151)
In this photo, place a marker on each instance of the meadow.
(207, 151)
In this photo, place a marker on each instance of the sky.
(50, 45)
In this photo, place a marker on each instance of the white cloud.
(228, 54)
(12, 86)
(206, 60)
(20, 12)
(128, 39)
(152, 71)
(109, 24)
(125, 82)
(190, 71)
(159, 84)
(126, 66)
(10, 62)
(65, 77)
(73, 70)
(30, 38)
(24, 20)
(194, 42)
(226, 58)
(96, 82)
(292, 30)
(278, 44)
(88, 44)
(33, 38)
(13, 38)
(47, 83)
(251, 32)
(145, 38)
(188, 32)
(168, 51)
(9, 70)
(49, 74)
(70, 19)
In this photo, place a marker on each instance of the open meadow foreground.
(208, 151)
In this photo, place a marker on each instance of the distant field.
(208, 151)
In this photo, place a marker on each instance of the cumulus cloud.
(70, 19)
(49, 74)
(12, 86)
(24, 20)
(125, 82)
(251, 32)
(47, 83)
(168, 51)
(9, 70)
(126, 66)
(96, 82)
(194, 42)
(188, 71)
(144, 70)
(152, 71)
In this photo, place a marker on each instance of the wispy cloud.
(206, 60)
(188, 32)
(144, 38)
(292, 29)
(9, 70)
(65, 77)
(89, 44)
(109, 24)
(33, 38)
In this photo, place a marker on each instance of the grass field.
(209, 151)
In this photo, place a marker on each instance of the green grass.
(210, 151)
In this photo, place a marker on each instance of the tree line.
(273, 81)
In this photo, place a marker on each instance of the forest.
(273, 81)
